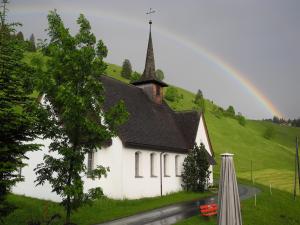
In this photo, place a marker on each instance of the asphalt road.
(174, 213)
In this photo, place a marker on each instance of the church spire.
(149, 71)
(149, 75)
(152, 86)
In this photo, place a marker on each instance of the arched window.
(177, 166)
(153, 165)
(137, 156)
(90, 163)
(166, 165)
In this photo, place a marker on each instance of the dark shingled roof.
(151, 125)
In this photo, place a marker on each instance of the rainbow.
(216, 61)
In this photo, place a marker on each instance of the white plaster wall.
(108, 157)
(28, 186)
(147, 186)
(201, 137)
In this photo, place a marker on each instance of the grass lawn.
(100, 211)
(276, 209)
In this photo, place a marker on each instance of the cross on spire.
(149, 13)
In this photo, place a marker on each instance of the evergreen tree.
(31, 43)
(126, 69)
(276, 119)
(159, 74)
(200, 101)
(20, 36)
(196, 174)
(19, 113)
(198, 96)
(76, 121)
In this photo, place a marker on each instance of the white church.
(146, 157)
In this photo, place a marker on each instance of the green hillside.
(273, 159)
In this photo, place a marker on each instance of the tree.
(276, 119)
(200, 101)
(19, 113)
(230, 111)
(172, 94)
(135, 76)
(20, 36)
(31, 43)
(126, 69)
(198, 96)
(196, 174)
(159, 74)
(241, 119)
(74, 98)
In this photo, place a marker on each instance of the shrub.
(269, 133)
(241, 119)
(172, 94)
(135, 77)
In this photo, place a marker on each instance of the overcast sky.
(260, 39)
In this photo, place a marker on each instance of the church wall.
(27, 187)
(148, 89)
(202, 137)
(146, 185)
(110, 156)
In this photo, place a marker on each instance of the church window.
(90, 163)
(166, 165)
(153, 164)
(20, 172)
(137, 156)
(177, 166)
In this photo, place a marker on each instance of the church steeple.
(148, 81)
(149, 71)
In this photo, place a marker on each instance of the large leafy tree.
(196, 173)
(19, 113)
(74, 98)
